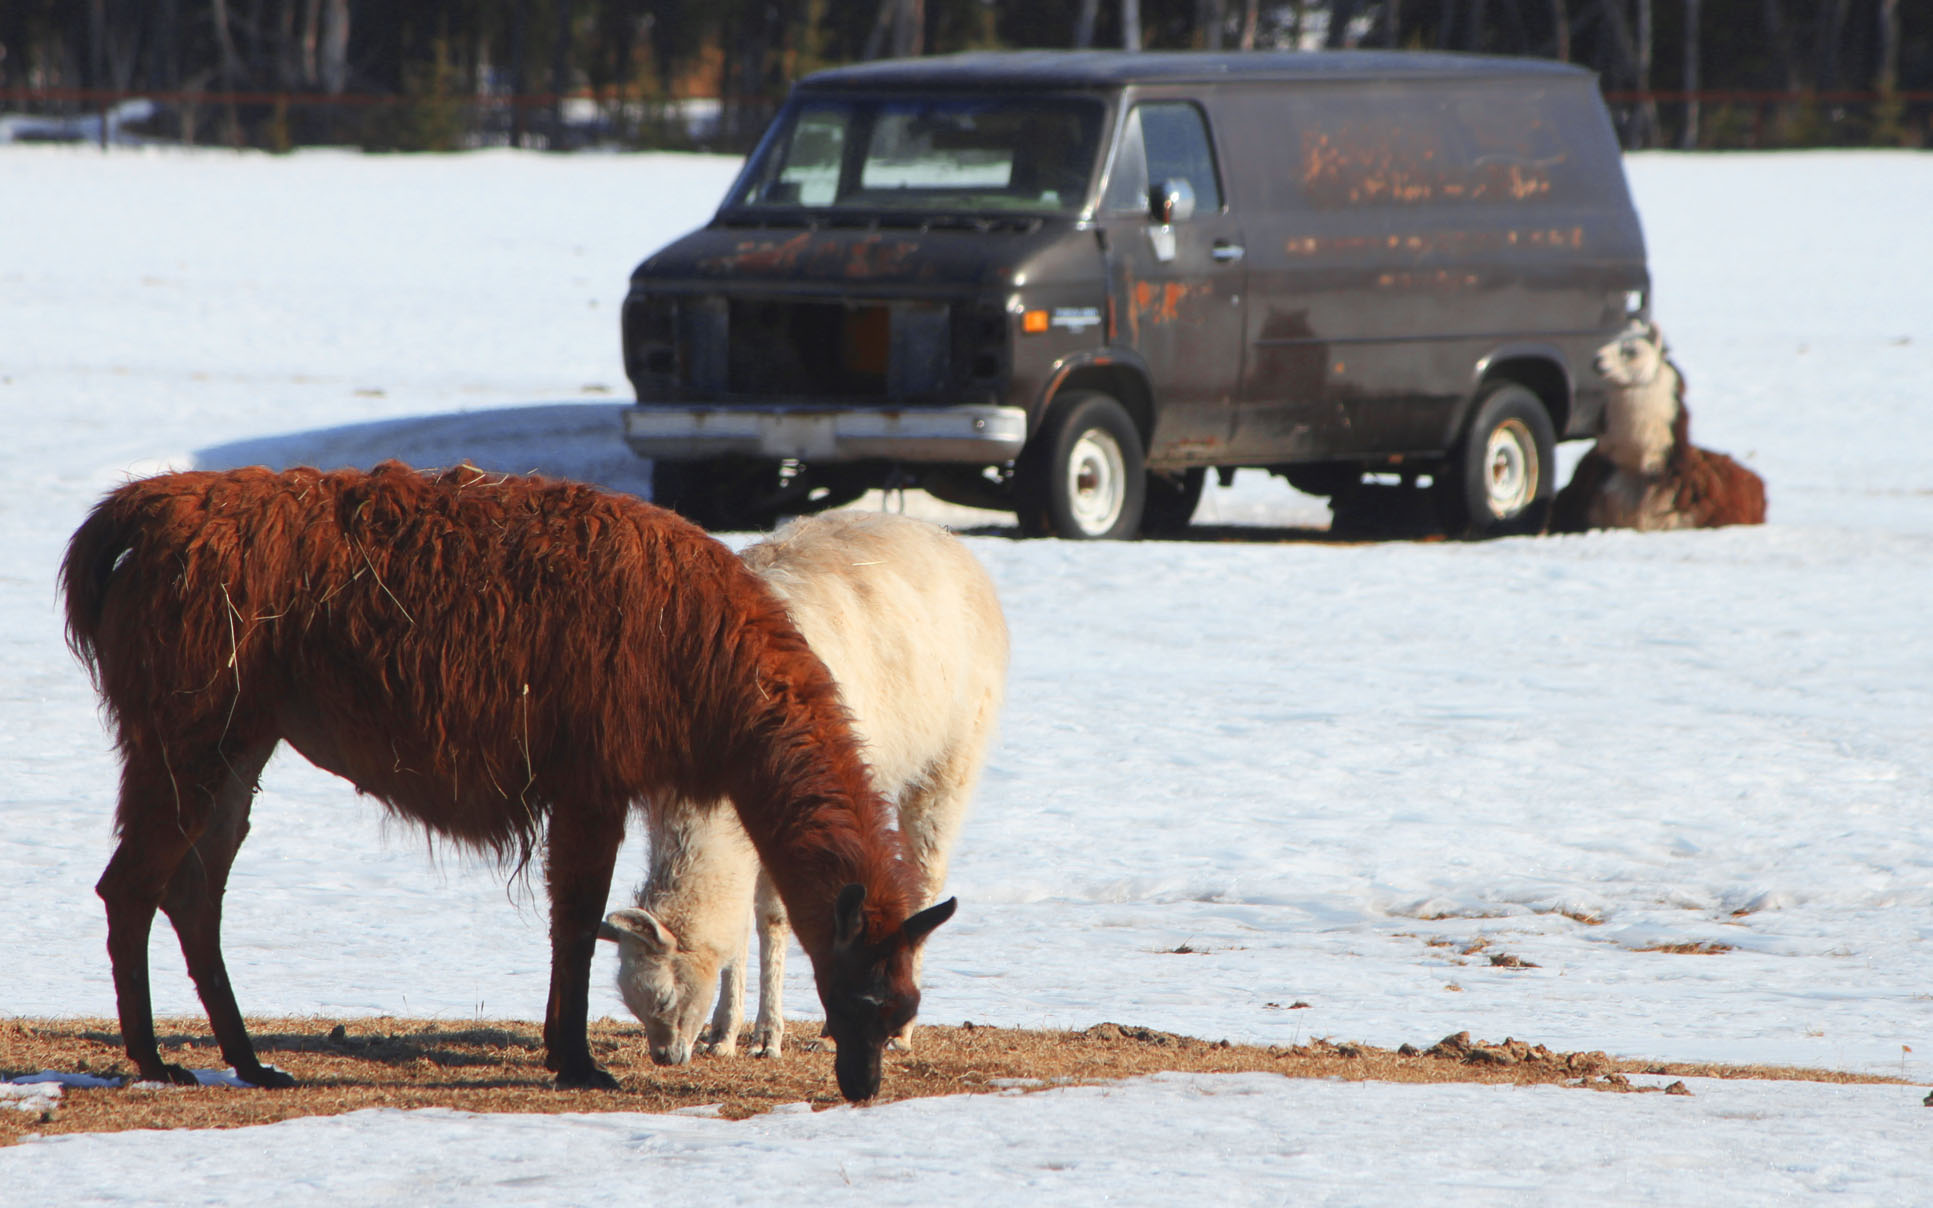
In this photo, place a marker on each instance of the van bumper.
(983, 435)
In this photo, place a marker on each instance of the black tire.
(720, 494)
(1169, 501)
(1500, 479)
(1082, 473)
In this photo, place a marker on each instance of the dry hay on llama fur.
(1644, 472)
(911, 628)
(508, 661)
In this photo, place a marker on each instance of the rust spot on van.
(875, 257)
(1162, 303)
(1361, 165)
(763, 255)
(806, 255)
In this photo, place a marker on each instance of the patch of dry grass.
(497, 1066)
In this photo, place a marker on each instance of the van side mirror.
(1173, 200)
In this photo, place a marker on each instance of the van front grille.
(780, 349)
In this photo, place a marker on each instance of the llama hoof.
(589, 1079)
(265, 1076)
(170, 1075)
(768, 1047)
(716, 1048)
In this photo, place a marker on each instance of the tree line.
(1679, 72)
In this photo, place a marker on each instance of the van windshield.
(1025, 154)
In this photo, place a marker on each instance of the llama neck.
(702, 869)
(1639, 421)
(806, 798)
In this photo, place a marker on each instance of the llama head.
(1635, 357)
(868, 989)
(1641, 414)
(667, 984)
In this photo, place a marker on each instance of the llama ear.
(921, 925)
(640, 925)
(849, 914)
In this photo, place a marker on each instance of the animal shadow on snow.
(584, 442)
(580, 441)
(449, 1047)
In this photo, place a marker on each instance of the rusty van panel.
(1400, 237)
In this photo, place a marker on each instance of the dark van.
(1070, 284)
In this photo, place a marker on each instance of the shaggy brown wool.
(511, 662)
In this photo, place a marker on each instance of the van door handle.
(1225, 252)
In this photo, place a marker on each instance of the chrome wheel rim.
(1096, 482)
(1510, 469)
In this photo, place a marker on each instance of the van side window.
(1163, 140)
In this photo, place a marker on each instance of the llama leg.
(130, 919)
(930, 817)
(193, 903)
(582, 852)
(721, 1038)
(160, 818)
(768, 1035)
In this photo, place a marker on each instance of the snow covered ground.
(1324, 770)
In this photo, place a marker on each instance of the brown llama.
(1644, 473)
(508, 661)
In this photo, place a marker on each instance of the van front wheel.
(1082, 474)
(1500, 480)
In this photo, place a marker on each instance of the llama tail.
(93, 554)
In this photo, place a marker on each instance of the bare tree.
(1888, 76)
(1251, 17)
(231, 63)
(1689, 139)
(1341, 13)
(1560, 19)
(560, 68)
(333, 59)
(1130, 24)
(909, 28)
(1647, 132)
(1209, 15)
(1779, 34)
(1829, 38)
(1084, 23)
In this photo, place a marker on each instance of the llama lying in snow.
(1644, 472)
(508, 661)
(911, 629)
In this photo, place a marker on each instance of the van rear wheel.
(1081, 475)
(1500, 480)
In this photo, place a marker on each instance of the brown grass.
(497, 1066)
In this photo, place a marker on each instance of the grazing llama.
(910, 626)
(1644, 472)
(513, 663)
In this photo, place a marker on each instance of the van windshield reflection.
(1010, 154)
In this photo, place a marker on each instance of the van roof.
(1037, 69)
